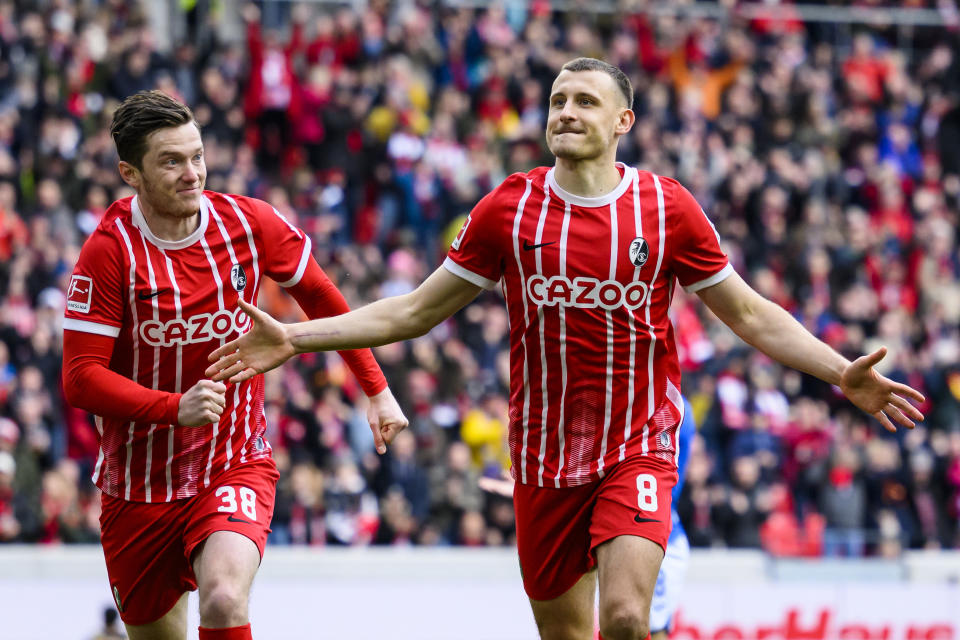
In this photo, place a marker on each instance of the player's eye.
(586, 101)
(197, 157)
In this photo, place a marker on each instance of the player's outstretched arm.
(269, 343)
(768, 327)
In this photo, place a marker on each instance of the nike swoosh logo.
(146, 295)
(231, 518)
(637, 518)
(530, 247)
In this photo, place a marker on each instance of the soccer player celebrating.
(187, 476)
(587, 253)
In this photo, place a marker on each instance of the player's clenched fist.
(202, 404)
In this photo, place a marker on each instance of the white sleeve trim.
(91, 327)
(307, 250)
(467, 275)
(719, 276)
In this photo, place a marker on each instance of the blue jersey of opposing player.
(666, 595)
(685, 438)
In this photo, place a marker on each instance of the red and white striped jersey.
(169, 304)
(594, 375)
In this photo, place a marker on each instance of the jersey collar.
(141, 224)
(599, 201)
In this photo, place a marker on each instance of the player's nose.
(190, 174)
(568, 112)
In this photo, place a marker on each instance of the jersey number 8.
(647, 492)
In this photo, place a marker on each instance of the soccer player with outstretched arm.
(588, 253)
(186, 474)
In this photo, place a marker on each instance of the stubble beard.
(574, 153)
(171, 206)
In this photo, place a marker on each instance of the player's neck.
(167, 227)
(587, 178)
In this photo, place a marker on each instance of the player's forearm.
(382, 322)
(319, 298)
(90, 385)
(769, 328)
(102, 392)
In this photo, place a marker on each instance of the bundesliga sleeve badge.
(639, 252)
(79, 294)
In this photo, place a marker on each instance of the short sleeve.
(95, 300)
(286, 248)
(476, 254)
(697, 259)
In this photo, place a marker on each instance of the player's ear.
(625, 122)
(130, 174)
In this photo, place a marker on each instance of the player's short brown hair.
(592, 64)
(140, 115)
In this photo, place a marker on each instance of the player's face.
(174, 172)
(585, 117)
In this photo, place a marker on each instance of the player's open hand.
(879, 396)
(264, 347)
(385, 418)
(202, 404)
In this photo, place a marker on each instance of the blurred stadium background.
(823, 139)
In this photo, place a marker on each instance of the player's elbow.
(754, 318)
(746, 319)
(418, 318)
(73, 387)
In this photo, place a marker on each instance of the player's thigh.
(143, 548)
(172, 626)
(228, 527)
(553, 537)
(673, 570)
(627, 568)
(570, 615)
(226, 560)
(553, 545)
(630, 526)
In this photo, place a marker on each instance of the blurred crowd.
(825, 154)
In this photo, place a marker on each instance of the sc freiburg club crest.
(639, 252)
(239, 279)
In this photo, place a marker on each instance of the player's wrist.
(172, 412)
(379, 394)
(836, 369)
(295, 340)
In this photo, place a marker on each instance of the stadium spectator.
(110, 630)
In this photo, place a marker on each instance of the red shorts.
(148, 547)
(558, 530)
